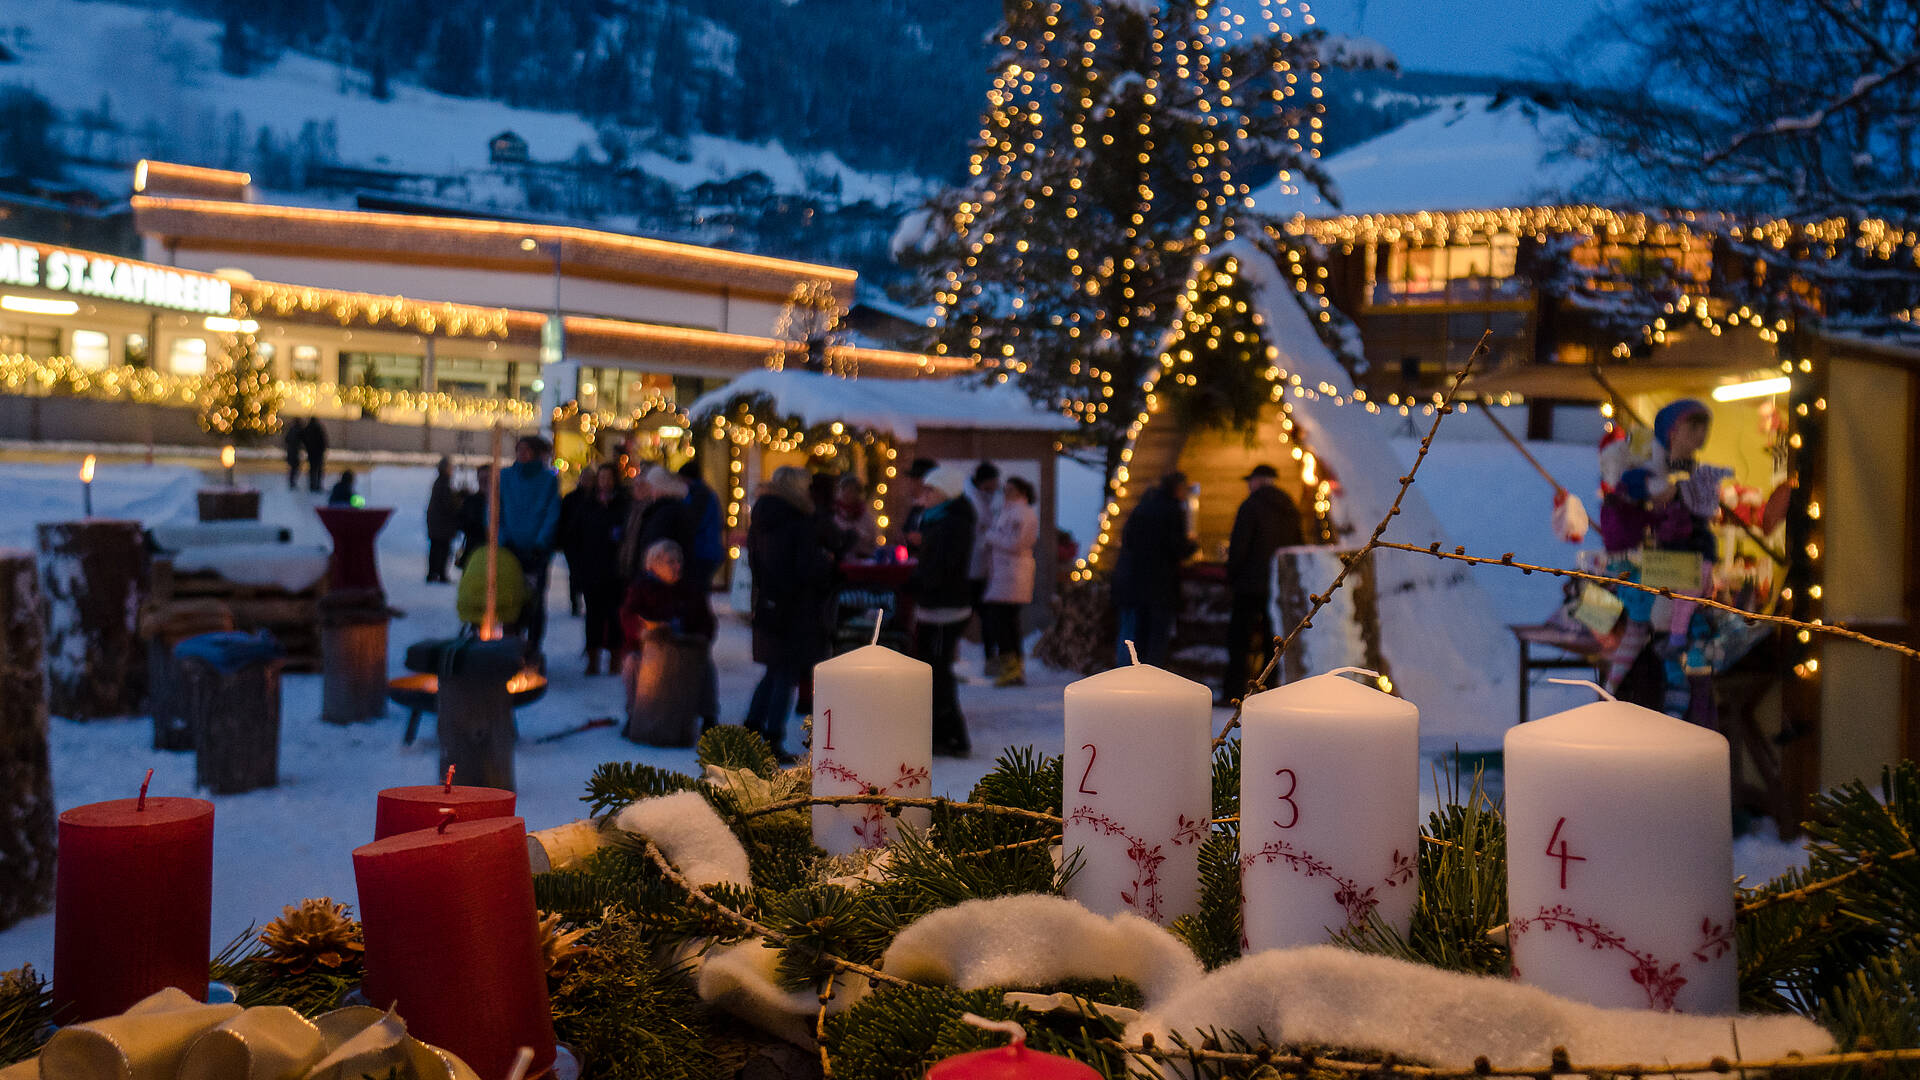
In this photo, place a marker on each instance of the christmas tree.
(241, 402)
(1117, 146)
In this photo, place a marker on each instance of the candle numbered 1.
(872, 732)
(1329, 810)
(1620, 859)
(1138, 780)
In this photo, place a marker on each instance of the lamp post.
(554, 389)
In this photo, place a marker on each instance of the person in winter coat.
(790, 578)
(313, 439)
(1146, 578)
(473, 517)
(1010, 540)
(660, 512)
(983, 490)
(919, 499)
(592, 541)
(342, 493)
(291, 441)
(709, 548)
(943, 593)
(530, 526)
(443, 521)
(672, 683)
(1266, 522)
(853, 514)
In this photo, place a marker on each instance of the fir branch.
(725, 746)
(616, 784)
(26, 1013)
(627, 1015)
(898, 802)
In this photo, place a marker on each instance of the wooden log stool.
(353, 650)
(229, 688)
(165, 627)
(27, 820)
(475, 717)
(91, 575)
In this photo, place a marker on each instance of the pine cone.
(318, 932)
(559, 946)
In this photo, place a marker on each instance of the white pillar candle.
(1620, 859)
(872, 731)
(1329, 810)
(1138, 781)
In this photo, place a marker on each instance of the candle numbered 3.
(1329, 810)
(1138, 780)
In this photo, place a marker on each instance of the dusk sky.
(1479, 36)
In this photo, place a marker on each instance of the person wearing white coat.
(1010, 568)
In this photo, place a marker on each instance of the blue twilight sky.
(1476, 36)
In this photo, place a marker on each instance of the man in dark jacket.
(1146, 580)
(443, 521)
(790, 572)
(291, 441)
(943, 597)
(1265, 523)
(313, 438)
(709, 548)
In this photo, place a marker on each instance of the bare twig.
(1831, 629)
(897, 802)
(754, 926)
(1301, 1064)
(1867, 866)
(1321, 600)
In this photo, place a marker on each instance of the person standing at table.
(919, 499)
(1010, 540)
(529, 527)
(1266, 522)
(1146, 580)
(790, 572)
(983, 491)
(313, 438)
(709, 550)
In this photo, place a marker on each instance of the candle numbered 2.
(1138, 790)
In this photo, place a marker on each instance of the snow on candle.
(1620, 859)
(872, 733)
(1138, 780)
(1329, 810)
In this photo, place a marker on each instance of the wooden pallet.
(291, 617)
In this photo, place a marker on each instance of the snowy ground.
(277, 846)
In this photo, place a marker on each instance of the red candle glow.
(133, 903)
(1014, 1062)
(404, 809)
(453, 941)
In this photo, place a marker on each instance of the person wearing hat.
(529, 527)
(1266, 522)
(919, 498)
(944, 600)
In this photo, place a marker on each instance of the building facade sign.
(82, 274)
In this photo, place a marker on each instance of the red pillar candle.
(1014, 1062)
(133, 904)
(453, 942)
(404, 809)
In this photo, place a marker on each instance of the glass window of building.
(304, 363)
(467, 376)
(92, 349)
(188, 356)
(139, 353)
(384, 371)
(1457, 273)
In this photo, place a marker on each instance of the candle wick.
(142, 804)
(1006, 1027)
(450, 769)
(878, 614)
(446, 819)
(1374, 675)
(1133, 652)
(1597, 688)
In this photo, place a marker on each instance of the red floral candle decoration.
(133, 903)
(453, 942)
(1012, 1062)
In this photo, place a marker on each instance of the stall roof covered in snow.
(1469, 155)
(896, 407)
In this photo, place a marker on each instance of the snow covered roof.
(896, 407)
(1468, 156)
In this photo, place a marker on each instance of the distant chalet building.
(508, 148)
(749, 189)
